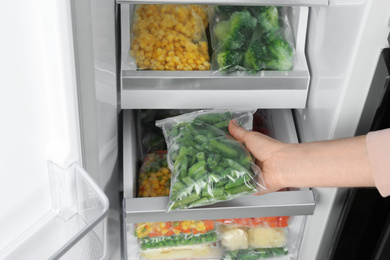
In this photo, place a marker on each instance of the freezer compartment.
(206, 89)
(232, 2)
(292, 202)
(75, 226)
(233, 239)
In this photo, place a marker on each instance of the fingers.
(238, 132)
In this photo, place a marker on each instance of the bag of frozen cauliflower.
(254, 238)
(169, 37)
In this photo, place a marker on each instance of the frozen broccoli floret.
(236, 32)
(229, 60)
(279, 52)
(255, 55)
(228, 10)
(267, 16)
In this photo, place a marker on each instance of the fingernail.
(234, 122)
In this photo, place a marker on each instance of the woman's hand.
(266, 150)
(334, 163)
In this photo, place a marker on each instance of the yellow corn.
(167, 31)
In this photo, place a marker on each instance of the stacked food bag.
(170, 37)
(178, 239)
(254, 238)
(208, 165)
(154, 176)
(250, 38)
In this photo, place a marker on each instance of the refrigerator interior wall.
(343, 45)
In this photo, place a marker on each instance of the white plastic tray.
(73, 228)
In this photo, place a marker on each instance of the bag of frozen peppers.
(208, 165)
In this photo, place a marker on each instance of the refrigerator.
(69, 139)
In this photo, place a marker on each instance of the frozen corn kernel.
(162, 31)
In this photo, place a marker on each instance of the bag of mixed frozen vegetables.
(178, 239)
(207, 164)
(169, 37)
(154, 176)
(250, 38)
(254, 238)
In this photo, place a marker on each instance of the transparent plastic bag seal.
(208, 165)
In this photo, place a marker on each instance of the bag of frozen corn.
(169, 37)
(154, 176)
(208, 165)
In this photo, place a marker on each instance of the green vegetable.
(183, 167)
(254, 57)
(236, 32)
(229, 60)
(228, 10)
(223, 148)
(267, 17)
(244, 188)
(212, 192)
(188, 181)
(244, 179)
(279, 52)
(196, 168)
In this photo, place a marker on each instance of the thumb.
(257, 143)
(239, 133)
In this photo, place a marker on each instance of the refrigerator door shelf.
(75, 226)
(212, 89)
(232, 2)
(285, 203)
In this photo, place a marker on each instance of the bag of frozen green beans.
(208, 165)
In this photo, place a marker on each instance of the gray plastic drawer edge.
(232, 2)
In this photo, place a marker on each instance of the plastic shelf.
(212, 89)
(232, 2)
(75, 226)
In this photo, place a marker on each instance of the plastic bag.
(169, 37)
(208, 165)
(258, 221)
(254, 238)
(250, 38)
(178, 239)
(170, 228)
(154, 177)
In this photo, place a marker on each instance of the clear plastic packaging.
(208, 165)
(250, 38)
(75, 228)
(154, 176)
(169, 37)
(178, 239)
(261, 237)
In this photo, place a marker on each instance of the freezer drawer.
(291, 203)
(235, 239)
(206, 89)
(232, 2)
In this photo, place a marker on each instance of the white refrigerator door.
(40, 123)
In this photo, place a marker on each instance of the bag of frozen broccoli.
(169, 37)
(208, 165)
(250, 38)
